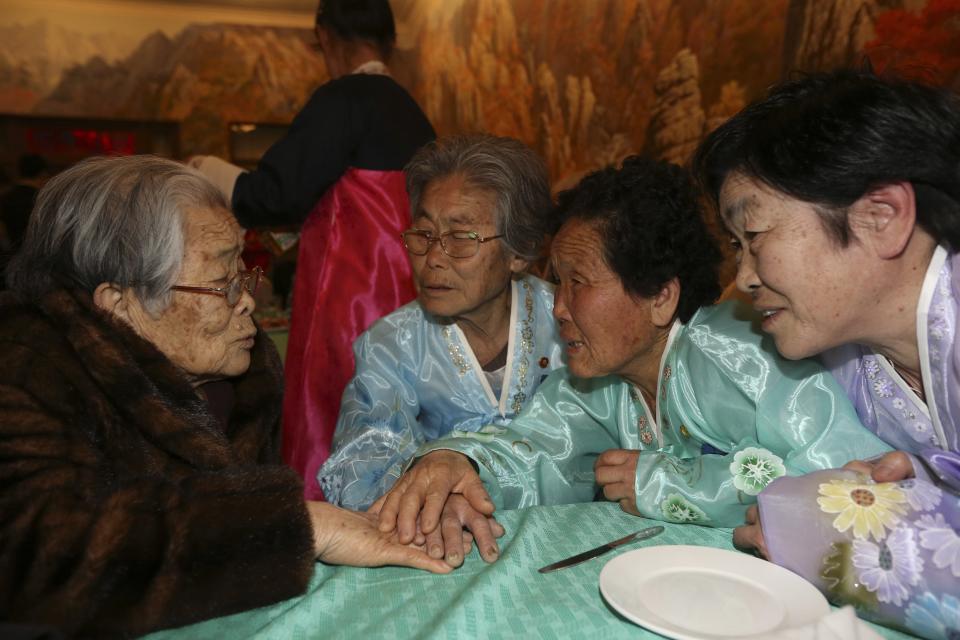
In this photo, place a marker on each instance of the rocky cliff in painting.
(584, 82)
(205, 77)
(823, 34)
(33, 57)
(578, 80)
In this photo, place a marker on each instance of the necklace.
(913, 381)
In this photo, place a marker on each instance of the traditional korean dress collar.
(373, 68)
(885, 403)
(520, 349)
(648, 422)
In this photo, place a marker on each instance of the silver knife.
(643, 534)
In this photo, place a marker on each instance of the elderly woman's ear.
(663, 306)
(121, 303)
(885, 219)
(518, 264)
(110, 298)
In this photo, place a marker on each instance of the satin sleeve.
(546, 454)
(761, 416)
(377, 431)
(892, 550)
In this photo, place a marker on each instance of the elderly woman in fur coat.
(140, 479)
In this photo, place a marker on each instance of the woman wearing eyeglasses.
(471, 350)
(338, 173)
(140, 471)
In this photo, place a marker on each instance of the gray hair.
(505, 167)
(111, 219)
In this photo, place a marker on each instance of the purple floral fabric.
(892, 549)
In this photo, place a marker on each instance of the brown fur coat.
(125, 506)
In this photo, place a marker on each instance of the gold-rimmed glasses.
(456, 244)
(233, 290)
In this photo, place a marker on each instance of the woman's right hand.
(890, 467)
(460, 525)
(749, 536)
(422, 491)
(352, 538)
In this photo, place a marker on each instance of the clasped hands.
(441, 503)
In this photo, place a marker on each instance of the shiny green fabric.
(507, 599)
(722, 384)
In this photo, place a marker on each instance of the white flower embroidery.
(944, 283)
(754, 468)
(676, 508)
(937, 322)
(922, 496)
(899, 403)
(940, 537)
(883, 387)
(871, 367)
(919, 430)
(890, 567)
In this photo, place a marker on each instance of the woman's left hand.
(616, 473)
(352, 538)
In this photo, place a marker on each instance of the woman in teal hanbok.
(843, 192)
(677, 410)
(479, 339)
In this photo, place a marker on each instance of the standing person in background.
(339, 172)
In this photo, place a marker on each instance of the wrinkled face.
(199, 332)
(808, 288)
(606, 330)
(461, 287)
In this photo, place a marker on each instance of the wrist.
(448, 456)
(320, 514)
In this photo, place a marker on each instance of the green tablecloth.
(507, 599)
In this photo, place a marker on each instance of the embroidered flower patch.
(754, 468)
(676, 508)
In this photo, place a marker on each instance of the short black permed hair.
(652, 228)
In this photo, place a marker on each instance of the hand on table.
(889, 467)
(616, 473)
(460, 522)
(749, 536)
(422, 492)
(352, 538)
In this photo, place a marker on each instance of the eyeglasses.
(233, 290)
(456, 244)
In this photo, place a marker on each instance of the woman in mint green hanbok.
(479, 339)
(678, 411)
(843, 192)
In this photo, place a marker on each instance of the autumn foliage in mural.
(924, 44)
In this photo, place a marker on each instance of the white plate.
(697, 593)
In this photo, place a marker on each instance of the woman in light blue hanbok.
(843, 192)
(676, 410)
(474, 346)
